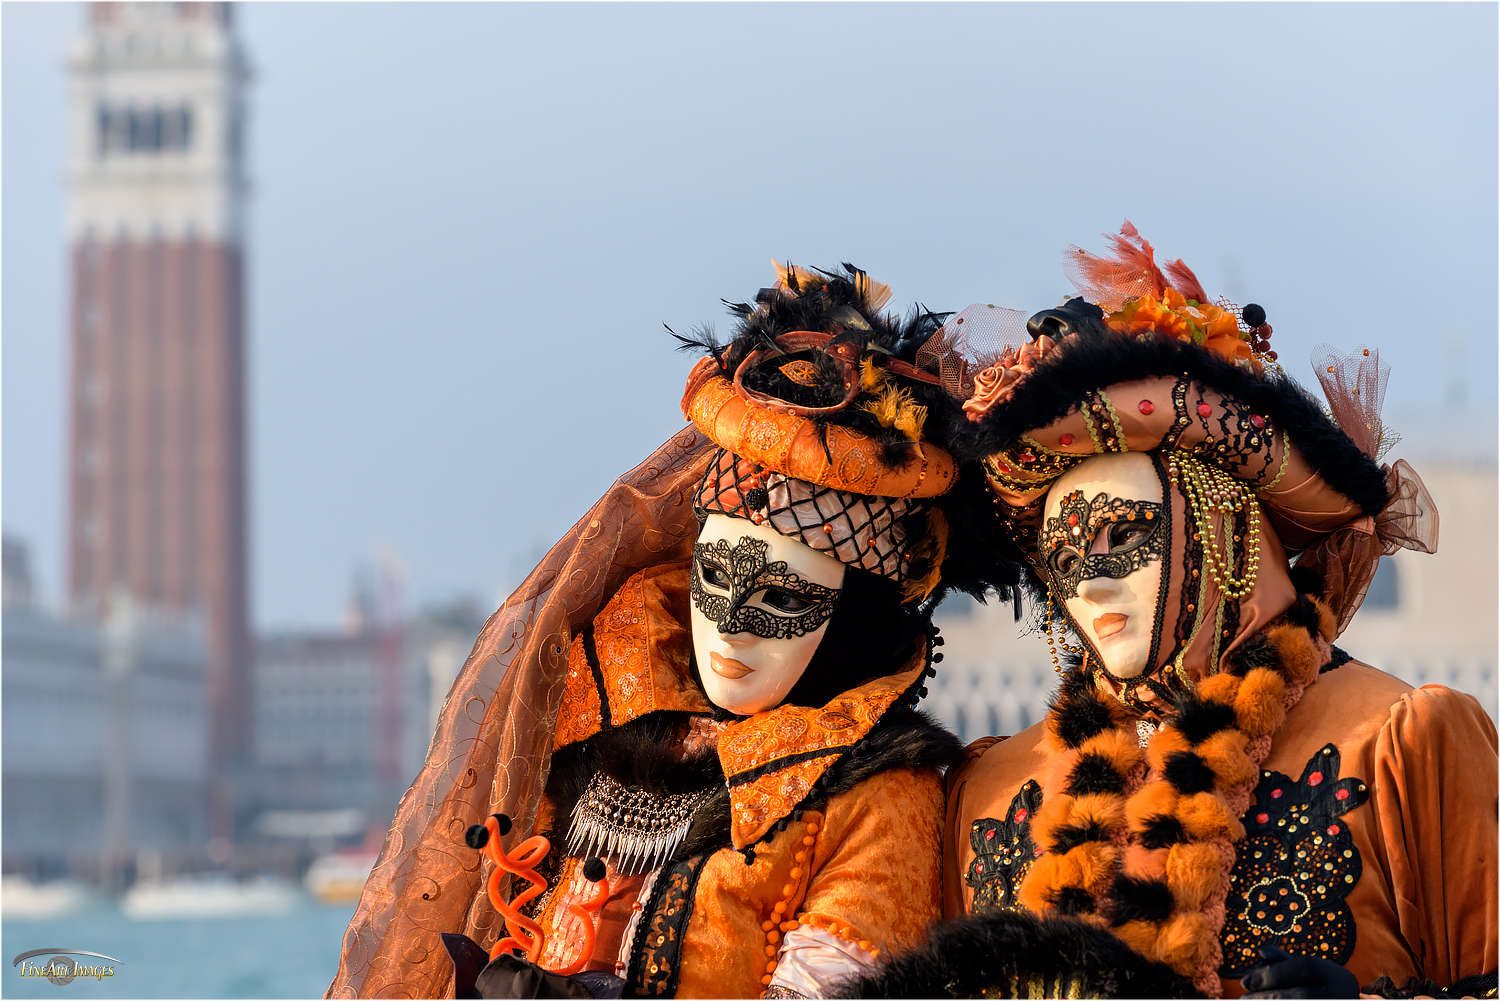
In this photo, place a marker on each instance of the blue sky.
(470, 222)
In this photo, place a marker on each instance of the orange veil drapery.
(493, 744)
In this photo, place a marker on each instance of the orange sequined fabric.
(643, 647)
(752, 749)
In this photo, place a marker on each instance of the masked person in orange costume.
(1220, 799)
(695, 722)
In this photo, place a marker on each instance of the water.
(292, 956)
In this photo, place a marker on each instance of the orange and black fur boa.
(1139, 842)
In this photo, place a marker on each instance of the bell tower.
(156, 470)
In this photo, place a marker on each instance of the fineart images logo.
(62, 968)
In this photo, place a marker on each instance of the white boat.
(339, 877)
(23, 900)
(209, 897)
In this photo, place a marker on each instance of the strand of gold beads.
(1210, 490)
(1053, 612)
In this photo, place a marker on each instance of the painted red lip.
(725, 667)
(1108, 625)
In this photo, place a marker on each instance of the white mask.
(1102, 542)
(761, 604)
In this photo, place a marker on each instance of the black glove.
(1282, 975)
(475, 975)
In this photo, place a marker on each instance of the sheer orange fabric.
(1354, 385)
(494, 738)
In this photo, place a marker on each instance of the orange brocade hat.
(822, 432)
(840, 458)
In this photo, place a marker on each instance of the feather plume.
(1109, 281)
(703, 341)
(895, 408)
(874, 294)
(1184, 281)
(794, 279)
(930, 553)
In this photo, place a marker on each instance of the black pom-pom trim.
(1094, 773)
(477, 836)
(1188, 773)
(1199, 721)
(1254, 315)
(503, 822)
(1307, 581)
(1135, 899)
(1067, 838)
(1259, 652)
(593, 870)
(1072, 900)
(1305, 614)
(1081, 719)
(757, 498)
(1162, 831)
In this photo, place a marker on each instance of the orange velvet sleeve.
(880, 882)
(1438, 748)
(955, 829)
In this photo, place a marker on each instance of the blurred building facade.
(156, 465)
(1428, 619)
(105, 737)
(343, 721)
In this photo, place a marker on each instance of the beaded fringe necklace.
(1140, 840)
(638, 829)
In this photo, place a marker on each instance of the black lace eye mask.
(1133, 528)
(741, 593)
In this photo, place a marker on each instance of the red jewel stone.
(978, 867)
(1146, 406)
(989, 835)
(1275, 793)
(1257, 420)
(1003, 467)
(1020, 815)
(1333, 828)
(1066, 439)
(1341, 794)
(1038, 852)
(1261, 818)
(1072, 519)
(1027, 457)
(1204, 410)
(1316, 778)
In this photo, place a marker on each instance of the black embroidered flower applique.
(1295, 867)
(1003, 853)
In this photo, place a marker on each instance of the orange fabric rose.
(998, 383)
(992, 387)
